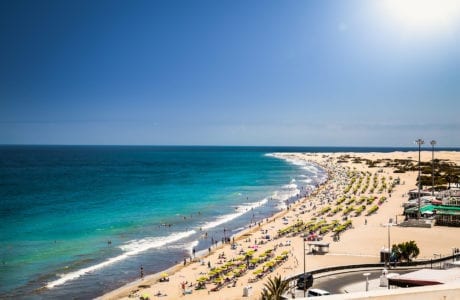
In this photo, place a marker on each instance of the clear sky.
(306, 73)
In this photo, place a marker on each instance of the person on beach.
(142, 272)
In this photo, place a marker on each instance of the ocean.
(79, 221)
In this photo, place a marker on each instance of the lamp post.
(433, 142)
(388, 225)
(419, 142)
(304, 271)
(389, 250)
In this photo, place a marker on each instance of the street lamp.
(304, 271)
(433, 142)
(419, 142)
(388, 225)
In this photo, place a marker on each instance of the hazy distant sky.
(307, 73)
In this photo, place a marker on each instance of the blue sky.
(306, 73)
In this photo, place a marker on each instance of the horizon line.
(217, 146)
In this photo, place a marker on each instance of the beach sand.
(360, 244)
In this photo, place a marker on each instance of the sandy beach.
(274, 250)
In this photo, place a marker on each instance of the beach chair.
(187, 292)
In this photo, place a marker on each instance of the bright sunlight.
(424, 15)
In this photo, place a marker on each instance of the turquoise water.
(62, 204)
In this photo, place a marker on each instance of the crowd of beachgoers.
(344, 221)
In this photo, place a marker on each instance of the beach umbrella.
(164, 275)
(202, 279)
(254, 261)
(285, 252)
(257, 272)
(269, 264)
(278, 258)
(218, 280)
(229, 264)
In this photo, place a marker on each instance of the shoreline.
(361, 244)
(122, 291)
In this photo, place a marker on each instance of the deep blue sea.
(79, 221)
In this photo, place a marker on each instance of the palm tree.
(275, 288)
(406, 251)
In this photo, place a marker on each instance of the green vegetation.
(446, 172)
(274, 288)
(406, 251)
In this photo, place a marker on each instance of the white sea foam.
(287, 192)
(312, 168)
(309, 180)
(192, 246)
(239, 211)
(291, 186)
(315, 175)
(131, 248)
(289, 157)
(187, 246)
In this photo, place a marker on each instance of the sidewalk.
(374, 284)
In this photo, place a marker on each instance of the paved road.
(336, 284)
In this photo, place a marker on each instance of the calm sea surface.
(81, 220)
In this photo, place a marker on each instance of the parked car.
(317, 292)
(305, 281)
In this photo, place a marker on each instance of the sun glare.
(424, 14)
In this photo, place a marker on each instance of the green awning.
(439, 209)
